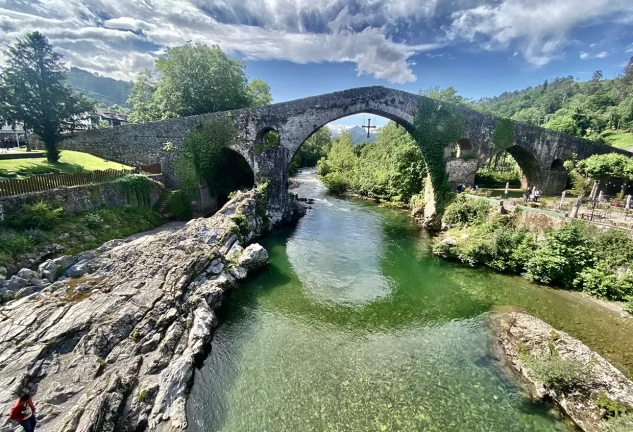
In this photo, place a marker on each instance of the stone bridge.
(539, 152)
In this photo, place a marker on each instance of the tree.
(259, 93)
(448, 94)
(194, 79)
(33, 91)
(142, 99)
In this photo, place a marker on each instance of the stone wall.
(77, 198)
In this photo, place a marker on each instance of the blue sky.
(307, 47)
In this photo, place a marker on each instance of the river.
(356, 326)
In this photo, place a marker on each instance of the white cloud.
(629, 48)
(539, 27)
(121, 37)
(121, 45)
(588, 56)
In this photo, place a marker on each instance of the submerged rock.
(577, 379)
(116, 348)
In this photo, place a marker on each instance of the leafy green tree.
(194, 79)
(562, 122)
(33, 90)
(448, 94)
(259, 93)
(604, 166)
(146, 107)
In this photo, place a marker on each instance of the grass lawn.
(70, 162)
(619, 139)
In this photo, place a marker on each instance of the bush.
(36, 236)
(40, 215)
(93, 220)
(466, 210)
(621, 423)
(560, 374)
(612, 407)
(335, 183)
(491, 178)
(496, 244)
(13, 243)
(561, 256)
(602, 282)
(179, 206)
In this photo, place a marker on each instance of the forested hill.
(108, 91)
(599, 109)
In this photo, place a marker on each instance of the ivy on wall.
(137, 189)
(437, 126)
(503, 136)
(202, 154)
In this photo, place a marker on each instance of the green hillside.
(106, 90)
(598, 109)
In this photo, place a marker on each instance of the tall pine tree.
(33, 91)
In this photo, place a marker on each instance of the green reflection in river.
(355, 326)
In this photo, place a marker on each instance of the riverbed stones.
(117, 350)
(521, 337)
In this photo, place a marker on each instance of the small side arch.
(464, 147)
(557, 165)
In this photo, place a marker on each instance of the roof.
(109, 115)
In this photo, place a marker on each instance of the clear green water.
(355, 326)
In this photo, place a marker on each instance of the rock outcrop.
(521, 338)
(114, 346)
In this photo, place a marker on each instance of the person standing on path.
(23, 412)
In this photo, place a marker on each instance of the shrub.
(621, 423)
(335, 183)
(40, 215)
(93, 220)
(13, 243)
(179, 206)
(497, 244)
(602, 282)
(561, 256)
(612, 407)
(560, 374)
(466, 210)
(36, 236)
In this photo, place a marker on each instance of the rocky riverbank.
(109, 339)
(559, 367)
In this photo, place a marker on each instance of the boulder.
(52, 269)
(79, 269)
(16, 283)
(40, 283)
(253, 257)
(27, 274)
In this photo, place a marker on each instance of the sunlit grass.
(618, 139)
(70, 162)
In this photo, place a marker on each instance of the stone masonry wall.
(76, 198)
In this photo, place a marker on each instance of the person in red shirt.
(23, 412)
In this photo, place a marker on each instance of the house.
(113, 118)
(12, 135)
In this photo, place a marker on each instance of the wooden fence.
(151, 169)
(39, 183)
